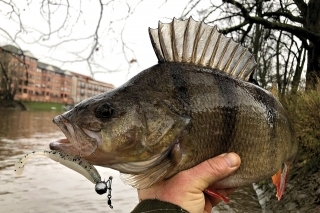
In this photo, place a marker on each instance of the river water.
(47, 186)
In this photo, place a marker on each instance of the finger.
(213, 170)
(208, 204)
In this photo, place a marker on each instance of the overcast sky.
(110, 53)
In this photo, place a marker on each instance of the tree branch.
(238, 5)
(302, 6)
(285, 14)
(235, 28)
(298, 31)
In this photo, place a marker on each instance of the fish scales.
(222, 123)
(196, 103)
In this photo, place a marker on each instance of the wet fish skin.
(219, 117)
(175, 115)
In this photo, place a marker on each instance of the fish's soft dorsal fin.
(199, 44)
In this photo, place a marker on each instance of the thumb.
(214, 169)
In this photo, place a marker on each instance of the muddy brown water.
(46, 186)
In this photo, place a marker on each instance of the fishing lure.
(75, 163)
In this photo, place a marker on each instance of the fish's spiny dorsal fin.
(199, 44)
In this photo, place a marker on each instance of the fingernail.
(231, 159)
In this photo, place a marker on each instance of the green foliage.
(304, 111)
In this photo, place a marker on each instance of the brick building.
(84, 87)
(42, 82)
(54, 85)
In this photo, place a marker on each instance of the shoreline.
(14, 105)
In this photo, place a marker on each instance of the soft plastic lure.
(75, 163)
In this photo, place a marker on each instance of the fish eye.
(104, 111)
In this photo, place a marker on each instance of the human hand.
(185, 189)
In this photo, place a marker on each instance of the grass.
(30, 105)
(304, 112)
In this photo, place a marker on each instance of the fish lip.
(65, 146)
(84, 140)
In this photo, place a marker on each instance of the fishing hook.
(103, 187)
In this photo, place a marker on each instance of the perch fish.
(196, 103)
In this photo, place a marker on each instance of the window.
(25, 91)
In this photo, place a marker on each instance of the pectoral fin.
(149, 177)
(280, 180)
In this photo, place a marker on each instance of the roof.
(90, 78)
(16, 50)
(49, 67)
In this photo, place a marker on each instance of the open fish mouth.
(80, 141)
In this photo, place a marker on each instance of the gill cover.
(163, 128)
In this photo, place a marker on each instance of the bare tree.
(11, 74)
(283, 33)
(78, 27)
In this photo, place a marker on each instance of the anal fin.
(215, 194)
(280, 180)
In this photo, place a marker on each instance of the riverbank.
(45, 106)
(302, 193)
(31, 105)
(15, 105)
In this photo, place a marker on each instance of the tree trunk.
(297, 74)
(313, 24)
(313, 69)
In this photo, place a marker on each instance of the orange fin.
(280, 180)
(215, 194)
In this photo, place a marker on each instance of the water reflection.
(45, 185)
